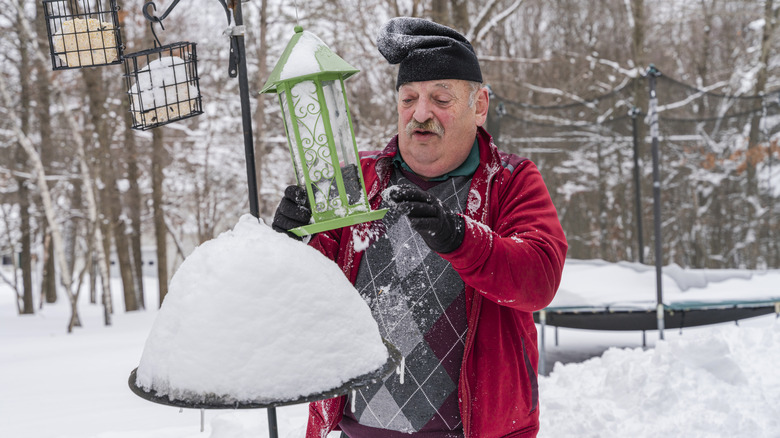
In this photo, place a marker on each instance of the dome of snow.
(254, 316)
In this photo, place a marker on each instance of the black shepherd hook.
(155, 19)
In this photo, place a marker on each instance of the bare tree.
(21, 160)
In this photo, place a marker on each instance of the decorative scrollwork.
(313, 139)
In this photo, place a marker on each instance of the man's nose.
(422, 111)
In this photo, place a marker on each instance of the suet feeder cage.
(82, 33)
(162, 85)
(309, 82)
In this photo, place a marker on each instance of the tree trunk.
(135, 206)
(43, 95)
(21, 165)
(158, 157)
(48, 278)
(26, 238)
(73, 227)
(460, 15)
(440, 12)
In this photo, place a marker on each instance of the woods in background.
(568, 92)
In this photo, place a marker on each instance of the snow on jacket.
(511, 260)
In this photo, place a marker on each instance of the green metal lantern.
(309, 80)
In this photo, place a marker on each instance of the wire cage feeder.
(162, 84)
(83, 33)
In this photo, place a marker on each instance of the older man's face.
(436, 126)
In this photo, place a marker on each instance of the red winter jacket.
(511, 260)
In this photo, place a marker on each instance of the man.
(471, 247)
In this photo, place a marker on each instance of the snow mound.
(254, 316)
(717, 384)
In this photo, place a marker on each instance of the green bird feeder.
(309, 80)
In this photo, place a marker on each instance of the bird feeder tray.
(163, 85)
(82, 33)
(392, 364)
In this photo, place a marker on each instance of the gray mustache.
(430, 125)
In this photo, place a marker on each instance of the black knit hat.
(427, 51)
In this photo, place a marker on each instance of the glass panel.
(291, 142)
(343, 139)
(307, 112)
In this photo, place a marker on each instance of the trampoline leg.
(202, 419)
(644, 339)
(556, 335)
(660, 319)
(543, 353)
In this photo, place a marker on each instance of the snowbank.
(717, 383)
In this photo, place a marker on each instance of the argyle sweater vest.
(418, 301)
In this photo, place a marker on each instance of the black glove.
(293, 211)
(441, 228)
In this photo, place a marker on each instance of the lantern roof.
(306, 55)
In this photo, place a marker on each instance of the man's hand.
(441, 228)
(293, 211)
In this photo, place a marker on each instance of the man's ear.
(481, 105)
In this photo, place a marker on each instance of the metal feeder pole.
(238, 62)
(239, 52)
(652, 74)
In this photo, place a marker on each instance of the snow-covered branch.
(498, 18)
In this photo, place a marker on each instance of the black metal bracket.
(652, 71)
(234, 56)
(159, 20)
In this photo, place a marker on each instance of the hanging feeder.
(309, 81)
(82, 33)
(162, 85)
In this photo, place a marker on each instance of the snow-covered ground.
(715, 381)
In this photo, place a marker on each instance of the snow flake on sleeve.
(474, 202)
(516, 238)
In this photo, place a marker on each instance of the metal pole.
(249, 147)
(246, 111)
(273, 431)
(637, 188)
(652, 73)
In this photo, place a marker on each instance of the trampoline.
(599, 295)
